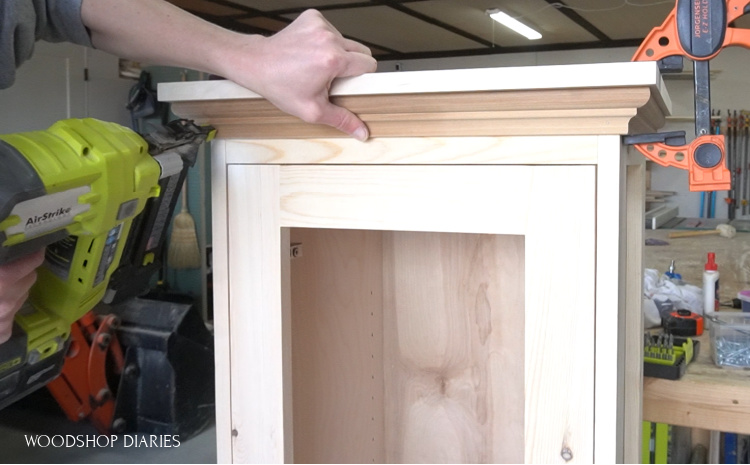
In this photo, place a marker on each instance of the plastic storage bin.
(730, 338)
(744, 297)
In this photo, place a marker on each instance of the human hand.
(294, 69)
(16, 278)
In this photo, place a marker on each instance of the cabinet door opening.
(407, 347)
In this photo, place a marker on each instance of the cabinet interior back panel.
(407, 347)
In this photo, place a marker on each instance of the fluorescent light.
(514, 24)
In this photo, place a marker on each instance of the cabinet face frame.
(452, 119)
(587, 271)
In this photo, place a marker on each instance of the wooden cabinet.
(468, 287)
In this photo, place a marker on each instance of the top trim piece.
(595, 75)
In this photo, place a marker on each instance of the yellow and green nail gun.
(99, 197)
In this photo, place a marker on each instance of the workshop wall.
(51, 86)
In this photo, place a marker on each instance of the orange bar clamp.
(698, 30)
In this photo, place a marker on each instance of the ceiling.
(408, 29)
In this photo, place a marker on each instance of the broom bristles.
(183, 244)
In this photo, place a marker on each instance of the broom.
(183, 243)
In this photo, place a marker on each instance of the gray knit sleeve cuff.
(64, 23)
(23, 22)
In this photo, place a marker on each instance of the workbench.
(463, 287)
(707, 397)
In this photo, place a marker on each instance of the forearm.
(157, 32)
(293, 68)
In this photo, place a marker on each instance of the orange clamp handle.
(661, 42)
(690, 157)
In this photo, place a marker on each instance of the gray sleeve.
(23, 22)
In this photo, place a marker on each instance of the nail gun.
(99, 197)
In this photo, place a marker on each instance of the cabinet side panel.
(337, 346)
(453, 341)
(222, 351)
(633, 318)
(611, 282)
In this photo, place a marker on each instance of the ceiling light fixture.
(514, 24)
